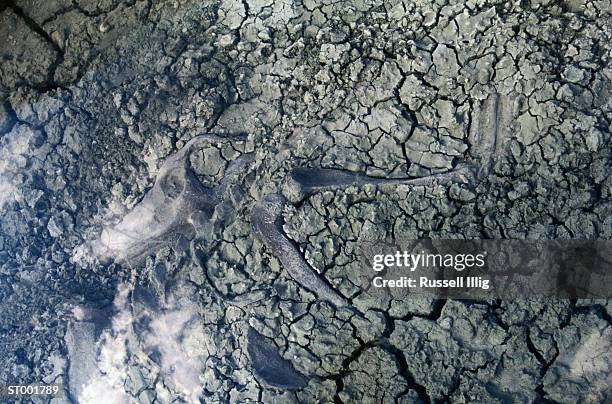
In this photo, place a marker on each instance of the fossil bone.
(169, 211)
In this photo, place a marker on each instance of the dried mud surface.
(183, 183)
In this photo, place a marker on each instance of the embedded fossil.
(170, 210)
(385, 89)
(491, 126)
(269, 366)
(267, 221)
(303, 182)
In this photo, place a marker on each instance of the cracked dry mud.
(184, 184)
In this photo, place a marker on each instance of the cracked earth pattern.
(183, 185)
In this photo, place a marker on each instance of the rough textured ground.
(138, 269)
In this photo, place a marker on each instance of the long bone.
(303, 182)
(267, 218)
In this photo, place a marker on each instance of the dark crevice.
(49, 83)
(597, 309)
(404, 371)
(433, 315)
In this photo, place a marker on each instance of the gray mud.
(185, 185)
